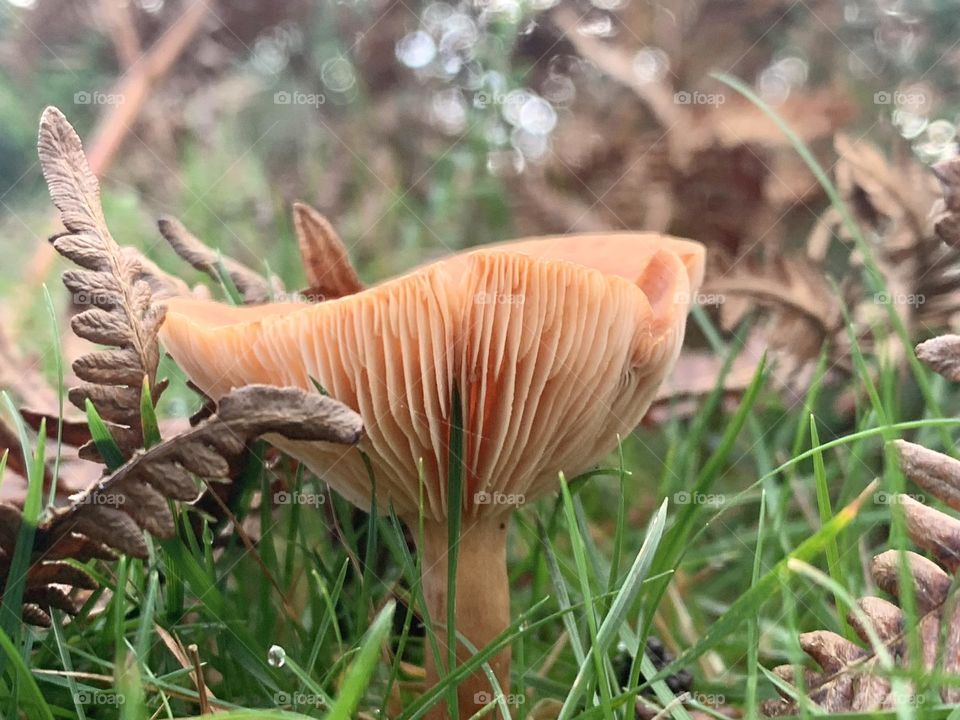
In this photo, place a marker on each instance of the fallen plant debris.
(330, 274)
(253, 287)
(117, 307)
(112, 515)
(858, 678)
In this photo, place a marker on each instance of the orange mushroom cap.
(556, 345)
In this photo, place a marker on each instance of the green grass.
(758, 518)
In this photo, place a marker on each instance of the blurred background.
(420, 128)
(424, 127)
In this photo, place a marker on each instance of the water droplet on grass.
(276, 656)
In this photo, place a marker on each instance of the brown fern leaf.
(893, 199)
(850, 679)
(942, 355)
(112, 515)
(330, 273)
(119, 310)
(253, 287)
(803, 309)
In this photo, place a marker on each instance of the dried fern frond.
(892, 201)
(330, 273)
(253, 287)
(942, 355)
(850, 679)
(112, 515)
(803, 309)
(120, 312)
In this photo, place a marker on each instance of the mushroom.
(556, 346)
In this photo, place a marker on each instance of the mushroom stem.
(482, 604)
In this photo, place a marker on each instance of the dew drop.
(449, 111)
(931, 153)
(505, 163)
(941, 132)
(909, 124)
(650, 65)
(608, 4)
(435, 16)
(597, 25)
(460, 35)
(337, 74)
(558, 89)
(270, 54)
(276, 656)
(416, 49)
(533, 145)
(773, 85)
(513, 103)
(537, 116)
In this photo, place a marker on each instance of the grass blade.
(358, 676)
